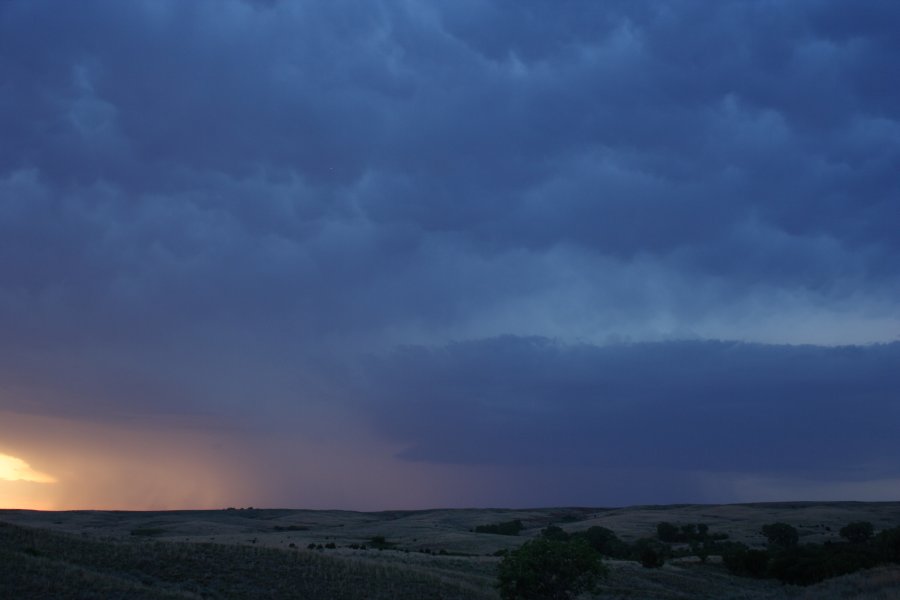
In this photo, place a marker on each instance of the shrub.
(650, 553)
(701, 550)
(781, 535)
(552, 532)
(148, 531)
(651, 559)
(888, 545)
(545, 569)
(810, 564)
(857, 532)
(688, 532)
(380, 543)
(667, 532)
(604, 541)
(756, 563)
(504, 528)
(290, 528)
(741, 560)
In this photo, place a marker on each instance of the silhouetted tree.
(667, 532)
(888, 544)
(858, 532)
(701, 550)
(781, 535)
(605, 541)
(741, 560)
(504, 528)
(545, 569)
(651, 553)
(688, 532)
(552, 532)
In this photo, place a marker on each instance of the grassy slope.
(245, 553)
(41, 564)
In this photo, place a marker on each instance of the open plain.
(274, 553)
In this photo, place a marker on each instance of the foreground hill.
(43, 564)
(252, 553)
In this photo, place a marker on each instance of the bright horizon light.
(16, 469)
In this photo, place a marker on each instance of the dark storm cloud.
(702, 406)
(219, 205)
(626, 128)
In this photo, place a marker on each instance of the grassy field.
(251, 553)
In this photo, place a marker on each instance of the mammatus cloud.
(16, 469)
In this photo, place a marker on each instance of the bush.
(552, 532)
(504, 528)
(781, 535)
(888, 545)
(545, 569)
(651, 559)
(667, 532)
(810, 564)
(741, 560)
(688, 532)
(650, 553)
(756, 563)
(148, 531)
(380, 543)
(702, 550)
(858, 532)
(604, 541)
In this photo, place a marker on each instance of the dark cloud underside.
(537, 213)
(718, 406)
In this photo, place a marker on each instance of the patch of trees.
(686, 533)
(379, 542)
(549, 569)
(605, 542)
(858, 532)
(559, 564)
(647, 551)
(148, 531)
(504, 528)
(781, 535)
(789, 561)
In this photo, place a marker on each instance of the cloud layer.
(703, 405)
(226, 208)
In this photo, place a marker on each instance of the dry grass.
(247, 554)
(876, 584)
(40, 564)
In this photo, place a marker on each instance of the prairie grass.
(41, 564)
(876, 584)
(247, 553)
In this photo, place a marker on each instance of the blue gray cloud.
(698, 405)
(226, 206)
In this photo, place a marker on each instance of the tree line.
(559, 564)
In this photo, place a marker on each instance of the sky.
(391, 254)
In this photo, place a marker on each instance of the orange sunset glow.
(16, 469)
(58, 464)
